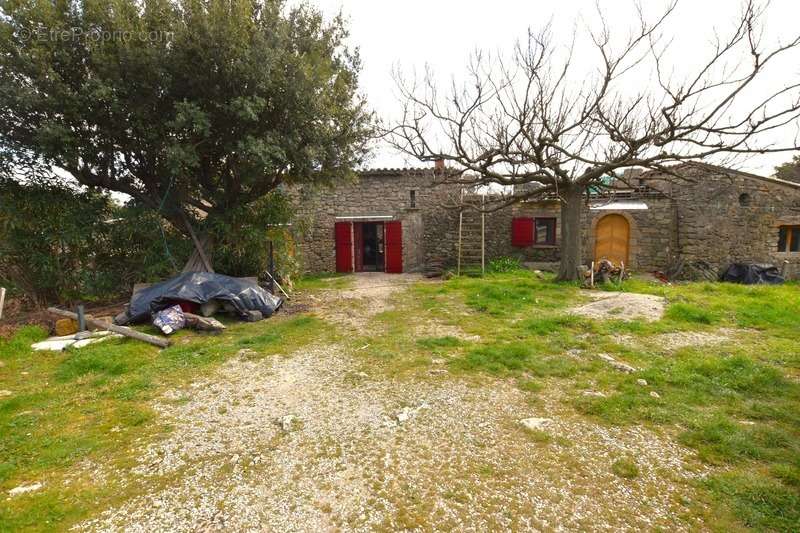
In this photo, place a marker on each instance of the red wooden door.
(394, 247)
(358, 249)
(344, 247)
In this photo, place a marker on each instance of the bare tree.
(531, 121)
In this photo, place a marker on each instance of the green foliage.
(242, 234)
(181, 104)
(85, 249)
(762, 503)
(504, 264)
(789, 171)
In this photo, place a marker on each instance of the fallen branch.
(122, 330)
(203, 323)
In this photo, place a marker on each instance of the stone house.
(395, 220)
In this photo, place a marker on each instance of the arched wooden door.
(612, 239)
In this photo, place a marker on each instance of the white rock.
(4, 393)
(22, 489)
(404, 415)
(622, 367)
(642, 382)
(654, 394)
(362, 375)
(438, 361)
(286, 422)
(535, 423)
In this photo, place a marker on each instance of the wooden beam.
(197, 244)
(122, 330)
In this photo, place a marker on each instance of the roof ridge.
(750, 175)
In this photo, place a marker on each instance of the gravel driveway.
(311, 442)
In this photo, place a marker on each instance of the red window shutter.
(344, 247)
(521, 232)
(394, 247)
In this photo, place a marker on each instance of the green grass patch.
(437, 343)
(93, 404)
(625, 468)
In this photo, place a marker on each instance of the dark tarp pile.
(201, 287)
(750, 274)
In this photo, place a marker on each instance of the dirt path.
(308, 443)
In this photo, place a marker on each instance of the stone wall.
(714, 216)
(724, 217)
(384, 195)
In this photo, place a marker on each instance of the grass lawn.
(92, 405)
(735, 403)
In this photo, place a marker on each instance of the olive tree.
(194, 108)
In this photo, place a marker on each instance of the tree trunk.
(571, 234)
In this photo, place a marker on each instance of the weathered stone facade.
(379, 195)
(711, 214)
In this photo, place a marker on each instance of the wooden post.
(81, 318)
(2, 300)
(460, 223)
(122, 330)
(591, 277)
(271, 267)
(483, 234)
(197, 244)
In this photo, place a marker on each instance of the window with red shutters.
(521, 232)
(544, 231)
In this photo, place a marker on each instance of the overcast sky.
(441, 33)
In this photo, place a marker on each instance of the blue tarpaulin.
(201, 287)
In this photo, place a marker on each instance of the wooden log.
(122, 330)
(203, 323)
(2, 300)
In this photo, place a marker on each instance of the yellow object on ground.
(66, 326)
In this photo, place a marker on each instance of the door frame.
(355, 262)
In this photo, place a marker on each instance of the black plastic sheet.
(199, 288)
(750, 274)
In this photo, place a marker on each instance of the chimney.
(438, 166)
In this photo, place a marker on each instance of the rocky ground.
(314, 441)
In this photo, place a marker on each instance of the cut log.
(122, 330)
(203, 323)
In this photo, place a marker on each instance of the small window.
(744, 199)
(789, 239)
(545, 231)
(412, 198)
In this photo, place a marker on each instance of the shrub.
(504, 264)
(61, 244)
(241, 238)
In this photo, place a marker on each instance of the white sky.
(411, 34)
